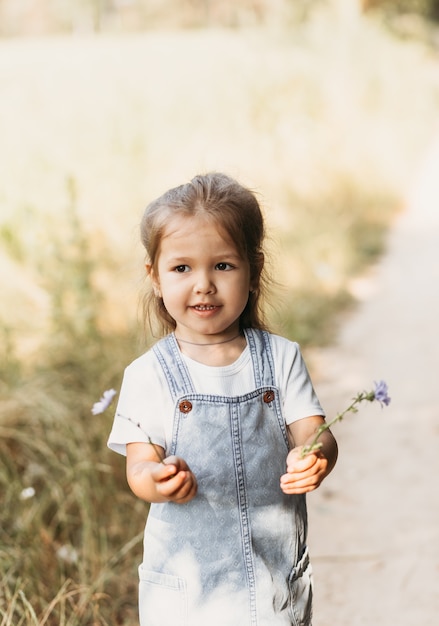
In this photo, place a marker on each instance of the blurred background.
(324, 107)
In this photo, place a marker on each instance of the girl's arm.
(304, 475)
(170, 480)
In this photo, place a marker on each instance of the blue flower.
(381, 392)
(104, 402)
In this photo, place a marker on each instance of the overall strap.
(177, 374)
(262, 357)
(174, 368)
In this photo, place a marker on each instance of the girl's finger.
(295, 464)
(163, 472)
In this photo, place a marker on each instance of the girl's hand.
(304, 475)
(174, 480)
(170, 480)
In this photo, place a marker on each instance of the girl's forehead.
(185, 226)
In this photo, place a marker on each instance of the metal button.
(185, 406)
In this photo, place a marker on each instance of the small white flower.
(104, 402)
(67, 553)
(27, 493)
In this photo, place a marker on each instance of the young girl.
(212, 420)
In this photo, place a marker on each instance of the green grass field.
(326, 124)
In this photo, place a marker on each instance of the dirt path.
(374, 525)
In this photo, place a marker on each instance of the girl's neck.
(208, 343)
(216, 353)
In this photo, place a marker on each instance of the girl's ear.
(155, 283)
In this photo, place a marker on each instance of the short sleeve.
(299, 398)
(144, 400)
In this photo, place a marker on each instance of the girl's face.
(202, 278)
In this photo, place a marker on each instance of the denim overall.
(236, 554)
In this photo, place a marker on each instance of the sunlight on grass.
(292, 116)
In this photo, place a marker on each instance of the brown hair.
(232, 207)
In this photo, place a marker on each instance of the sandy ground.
(374, 523)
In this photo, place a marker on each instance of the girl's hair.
(232, 208)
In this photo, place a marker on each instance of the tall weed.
(67, 520)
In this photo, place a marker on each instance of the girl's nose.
(204, 283)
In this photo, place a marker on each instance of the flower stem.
(159, 456)
(352, 408)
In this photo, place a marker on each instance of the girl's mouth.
(204, 307)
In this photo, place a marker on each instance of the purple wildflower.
(381, 392)
(104, 402)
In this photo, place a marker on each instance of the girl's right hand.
(174, 480)
(153, 481)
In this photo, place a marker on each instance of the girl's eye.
(223, 266)
(181, 268)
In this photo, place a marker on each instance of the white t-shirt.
(146, 408)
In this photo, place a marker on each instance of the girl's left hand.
(303, 475)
